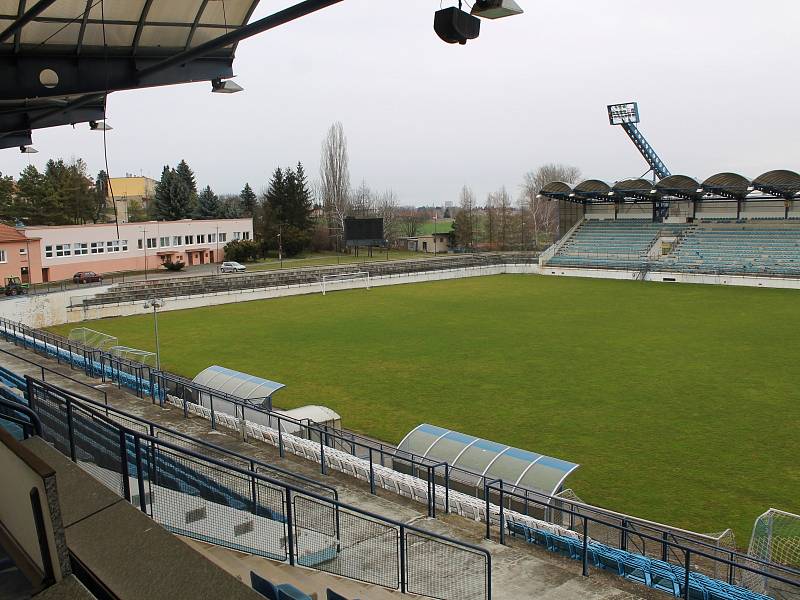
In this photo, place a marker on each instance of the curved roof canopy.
(635, 188)
(556, 190)
(592, 188)
(779, 183)
(728, 185)
(485, 458)
(236, 383)
(680, 186)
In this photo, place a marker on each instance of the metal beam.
(275, 20)
(33, 12)
(142, 18)
(84, 21)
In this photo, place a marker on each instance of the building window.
(237, 235)
(97, 247)
(140, 243)
(63, 250)
(124, 245)
(246, 235)
(177, 240)
(80, 248)
(151, 242)
(3, 256)
(48, 252)
(189, 239)
(223, 237)
(163, 242)
(23, 251)
(201, 238)
(212, 237)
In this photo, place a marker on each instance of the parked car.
(232, 267)
(87, 277)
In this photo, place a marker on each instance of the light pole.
(155, 304)
(280, 244)
(435, 214)
(144, 247)
(216, 254)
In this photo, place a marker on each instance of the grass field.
(319, 259)
(681, 402)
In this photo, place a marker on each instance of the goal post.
(775, 538)
(92, 338)
(341, 281)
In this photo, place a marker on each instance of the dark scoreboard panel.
(357, 229)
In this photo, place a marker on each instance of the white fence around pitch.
(343, 278)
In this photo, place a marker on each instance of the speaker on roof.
(455, 26)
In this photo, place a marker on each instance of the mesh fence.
(775, 538)
(222, 506)
(97, 448)
(366, 549)
(438, 569)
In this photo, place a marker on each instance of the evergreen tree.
(35, 197)
(173, 200)
(187, 175)
(7, 208)
(208, 205)
(301, 202)
(248, 201)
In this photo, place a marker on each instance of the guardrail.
(212, 500)
(689, 558)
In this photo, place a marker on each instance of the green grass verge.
(330, 258)
(441, 226)
(680, 401)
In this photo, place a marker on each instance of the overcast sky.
(716, 80)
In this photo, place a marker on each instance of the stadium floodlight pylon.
(343, 278)
(92, 338)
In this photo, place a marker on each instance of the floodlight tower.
(627, 115)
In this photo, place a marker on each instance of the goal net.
(92, 338)
(345, 281)
(775, 538)
(134, 354)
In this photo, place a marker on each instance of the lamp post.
(435, 215)
(216, 254)
(280, 244)
(144, 247)
(155, 304)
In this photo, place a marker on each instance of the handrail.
(27, 411)
(153, 426)
(138, 437)
(503, 492)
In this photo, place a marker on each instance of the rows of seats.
(728, 247)
(622, 243)
(739, 248)
(651, 572)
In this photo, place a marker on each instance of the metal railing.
(781, 580)
(225, 504)
(12, 412)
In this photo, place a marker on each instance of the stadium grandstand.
(726, 225)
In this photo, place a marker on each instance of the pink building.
(65, 250)
(19, 256)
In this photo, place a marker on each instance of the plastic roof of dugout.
(497, 461)
(236, 383)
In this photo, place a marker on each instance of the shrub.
(174, 266)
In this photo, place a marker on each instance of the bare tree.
(386, 208)
(465, 222)
(362, 201)
(410, 221)
(502, 201)
(334, 176)
(540, 214)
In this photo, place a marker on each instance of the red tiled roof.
(9, 234)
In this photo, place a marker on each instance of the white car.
(232, 267)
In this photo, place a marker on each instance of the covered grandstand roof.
(61, 58)
(236, 383)
(779, 183)
(497, 461)
(728, 185)
(680, 186)
(722, 186)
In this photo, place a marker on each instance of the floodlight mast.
(626, 115)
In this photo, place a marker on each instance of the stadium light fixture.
(226, 86)
(100, 126)
(28, 150)
(495, 9)
(155, 304)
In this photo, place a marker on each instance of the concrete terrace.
(518, 569)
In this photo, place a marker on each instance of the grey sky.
(716, 81)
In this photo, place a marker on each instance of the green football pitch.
(680, 402)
